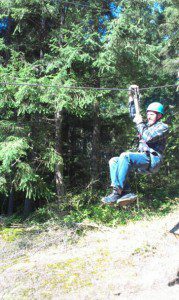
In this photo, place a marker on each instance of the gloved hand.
(132, 88)
(138, 119)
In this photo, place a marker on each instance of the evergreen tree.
(53, 137)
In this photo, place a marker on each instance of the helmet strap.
(159, 117)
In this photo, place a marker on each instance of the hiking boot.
(126, 199)
(112, 198)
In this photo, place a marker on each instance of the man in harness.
(152, 142)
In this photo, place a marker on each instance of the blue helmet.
(156, 107)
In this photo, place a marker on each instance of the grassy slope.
(90, 260)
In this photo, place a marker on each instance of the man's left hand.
(133, 88)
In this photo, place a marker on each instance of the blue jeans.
(122, 165)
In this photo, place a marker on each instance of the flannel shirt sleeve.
(132, 111)
(153, 133)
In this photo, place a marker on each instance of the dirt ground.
(136, 261)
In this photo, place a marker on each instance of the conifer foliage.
(53, 138)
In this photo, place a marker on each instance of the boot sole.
(108, 203)
(126, 201)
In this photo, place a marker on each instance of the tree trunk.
(11, 202)
(58, 128)
(42, 37)
(4, 205)
(58, 148)
(95, 167)
(28, 204)
(7, 38)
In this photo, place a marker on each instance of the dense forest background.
(56, 141)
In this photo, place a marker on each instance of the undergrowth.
(77, 208)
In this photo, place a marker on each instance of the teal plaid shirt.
(151, 138)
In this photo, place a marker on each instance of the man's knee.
(125, 155)
(113, 160)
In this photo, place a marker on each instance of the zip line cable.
(85, 87)
(158, 87)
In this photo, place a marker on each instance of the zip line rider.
(152, 142)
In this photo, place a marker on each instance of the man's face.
(152, 117)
